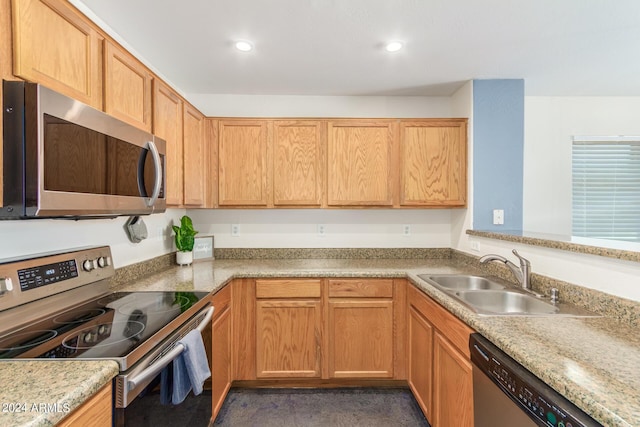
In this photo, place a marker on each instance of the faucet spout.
(522, 273)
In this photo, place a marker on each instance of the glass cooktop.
(111, 326)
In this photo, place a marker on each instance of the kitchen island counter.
(591, 361)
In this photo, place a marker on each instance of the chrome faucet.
(523, 274)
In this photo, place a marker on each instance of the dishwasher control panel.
(543, 404)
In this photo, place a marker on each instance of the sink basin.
(490, 296)
(506, 302)
(461, 282)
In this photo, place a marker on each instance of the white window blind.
(606, 188)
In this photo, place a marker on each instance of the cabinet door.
(127, 87)
(242, 163)
(221, 359)
(360, 338)
(55, 46)
(194, 167)
(433, 163)
(453, 386)
(167, 124)
(298, 166)
(361, 162)
(421, 360)
(288, 338)
(95, 412)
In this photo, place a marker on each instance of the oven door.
(131, 385)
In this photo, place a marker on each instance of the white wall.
(321, 106)
(550, 124)
(462, 220)
(298, 228)
(19, 238)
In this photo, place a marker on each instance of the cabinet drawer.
(361, 288)
(294, 288)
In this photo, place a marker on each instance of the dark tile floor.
(324, 407)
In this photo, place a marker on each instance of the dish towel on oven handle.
(191, 368)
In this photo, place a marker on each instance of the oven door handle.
(172, 354)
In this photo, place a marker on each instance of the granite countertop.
(41, 393)
(591, 361)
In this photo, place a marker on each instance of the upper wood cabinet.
(361, 162)
(433, 162)
(298, 162)
(127, 87)
(167, 124)
(243, 154)
(55, 46)
(194, 157)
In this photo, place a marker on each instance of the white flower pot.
(184, 258)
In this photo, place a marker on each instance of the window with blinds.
(606, 188)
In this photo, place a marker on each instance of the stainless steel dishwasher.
(506, 394)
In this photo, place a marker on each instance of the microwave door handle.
(172, 354)
(157, 164)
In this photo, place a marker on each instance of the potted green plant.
(185, 239)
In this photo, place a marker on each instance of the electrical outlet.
(406, 229)
(235, 230)
(475, 246)
(321, 230)
(498, 217)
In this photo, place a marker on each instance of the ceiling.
(335, 47)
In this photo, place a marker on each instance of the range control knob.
(104, 261)
(88, 265)
(6, 285)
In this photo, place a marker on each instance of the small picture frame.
(203, 248)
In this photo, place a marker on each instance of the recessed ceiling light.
(393, 46)
(244, 46)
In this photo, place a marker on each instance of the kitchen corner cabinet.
(433, 162)
(54, 45)
(127, 87)
(95, 412)
(360, 328)
(361, 162)
(288, 328)
(221, 333)
(243, 159)
(439, 362)
(194, 157)
(167, 124)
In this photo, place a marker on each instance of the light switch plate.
(498, 217)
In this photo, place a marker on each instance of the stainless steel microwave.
(63, 158)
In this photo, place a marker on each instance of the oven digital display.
(43, 275)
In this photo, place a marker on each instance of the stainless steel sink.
(461, 282)
(506, 302)
(491, 296)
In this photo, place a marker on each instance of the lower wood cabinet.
(420, 361)
(439, 362)
(221, 333)
(95, 412)
(288, 328)
(360, 328)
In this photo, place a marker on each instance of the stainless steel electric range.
(59, 307)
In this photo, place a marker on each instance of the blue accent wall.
(498, 147)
